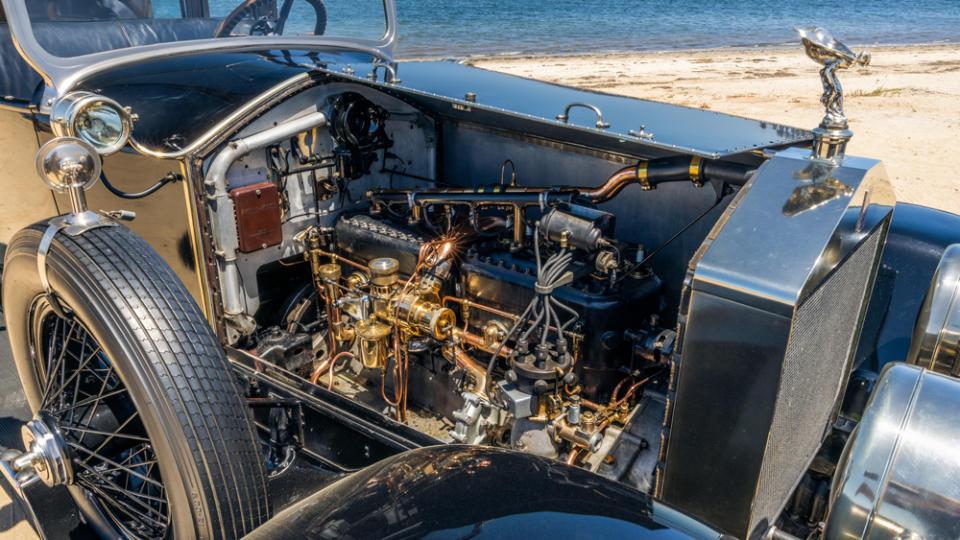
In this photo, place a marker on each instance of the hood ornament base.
(833, 133)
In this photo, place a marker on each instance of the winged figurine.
(833, 55)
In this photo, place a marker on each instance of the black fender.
(457, 491)
(915, 242)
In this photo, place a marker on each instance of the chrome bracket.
(71, 225)
(566, 114)
(641, 134)
(388, 70)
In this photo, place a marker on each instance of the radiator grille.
(823, 335)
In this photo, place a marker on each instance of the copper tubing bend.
(476, 372)
(615, 184)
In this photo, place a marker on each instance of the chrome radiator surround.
(771, 312)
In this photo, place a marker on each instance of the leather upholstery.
(17, 79)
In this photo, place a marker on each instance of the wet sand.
(904, 108)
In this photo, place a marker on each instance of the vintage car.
(272, 281)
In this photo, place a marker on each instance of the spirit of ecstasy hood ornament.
(830, 138)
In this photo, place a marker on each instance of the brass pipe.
(517, 226)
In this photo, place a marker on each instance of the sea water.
(502, 27)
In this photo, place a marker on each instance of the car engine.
(501, 315)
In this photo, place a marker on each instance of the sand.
(904, 108)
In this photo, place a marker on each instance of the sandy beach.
(904, 108)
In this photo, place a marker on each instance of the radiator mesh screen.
(820, 348)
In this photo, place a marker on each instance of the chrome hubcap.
(46, 452)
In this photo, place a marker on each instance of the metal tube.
(221, 209)
(517, 227)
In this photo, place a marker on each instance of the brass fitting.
(384, 271)
(373, 343)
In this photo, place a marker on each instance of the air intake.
(770, 317)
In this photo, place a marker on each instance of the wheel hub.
(46, 453)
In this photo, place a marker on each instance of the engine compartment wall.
(472, 156)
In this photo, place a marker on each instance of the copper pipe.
(473, 339)
(327, 363)
(477, 373)
(333, 366)
(315, 376)
(333, 319)
(589, 404)
(468, 304)
(338, 258)
(616, 389)
(634, 389)
(619, 180)
(572, 457)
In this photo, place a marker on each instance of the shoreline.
(774, 47)
(904, 108)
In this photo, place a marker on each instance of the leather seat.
(19, 80)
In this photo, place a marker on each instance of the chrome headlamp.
(98, 120)
(69, 165)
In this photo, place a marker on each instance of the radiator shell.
(770, 316)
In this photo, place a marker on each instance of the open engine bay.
(508, 310)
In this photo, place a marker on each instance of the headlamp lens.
(100, 124)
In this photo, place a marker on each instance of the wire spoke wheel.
(137, 411)
(86, 400)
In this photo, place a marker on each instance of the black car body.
(712, 313)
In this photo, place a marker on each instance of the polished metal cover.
(936, 336)
(899, 476)
(769, 320)
(615, 123)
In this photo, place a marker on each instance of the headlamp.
(98, 120)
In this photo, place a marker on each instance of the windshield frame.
(61, 73)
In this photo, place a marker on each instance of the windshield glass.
(69, 28)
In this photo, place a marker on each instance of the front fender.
(478, 492)
(916, 240)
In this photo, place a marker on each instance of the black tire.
(116, 288)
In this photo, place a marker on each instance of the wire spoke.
(146, 463)
(89, 401)
(93, 410)
(53, 367)
(105, 459)
(114, 434)
(139, 517)
(107, 433)
(110, 484)
(82, 367)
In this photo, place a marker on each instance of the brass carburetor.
(373, 304)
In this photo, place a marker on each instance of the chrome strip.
(61, 74)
